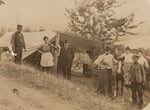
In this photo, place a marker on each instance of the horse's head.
(120, 64)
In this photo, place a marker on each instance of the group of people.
(65, 57)
(131, 72)
(46, 49)
(131, 68)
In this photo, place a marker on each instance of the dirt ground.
(15, 96)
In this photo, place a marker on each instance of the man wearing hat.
(66, 58)
(138, 78)
(18, 44)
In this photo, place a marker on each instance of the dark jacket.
(66, 56)
(137, 73)
(17, 41)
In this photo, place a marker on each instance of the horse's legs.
(122, 87)
(117, 88)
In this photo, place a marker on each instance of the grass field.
(71, 91)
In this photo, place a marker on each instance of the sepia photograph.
(74, 54)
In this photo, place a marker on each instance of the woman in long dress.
(47, 61)
(105, 64)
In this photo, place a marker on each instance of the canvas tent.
(75, 41)
(33, 40)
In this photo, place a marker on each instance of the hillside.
(15, 96)
(32, 84)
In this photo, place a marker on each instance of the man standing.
(127, 63)
(143, 60)
(18, 44)
(66, 58)
(127, 55)
(138, 78)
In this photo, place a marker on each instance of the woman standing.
(46, 62)
(105, 64)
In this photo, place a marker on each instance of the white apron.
(47, 60)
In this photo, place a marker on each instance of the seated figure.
(6, 55)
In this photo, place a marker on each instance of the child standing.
(138, 78)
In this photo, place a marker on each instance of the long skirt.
(105, 81)
(47, 60)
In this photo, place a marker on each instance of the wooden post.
(56, 51)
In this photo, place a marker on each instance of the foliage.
(2, 2)
(96, 20)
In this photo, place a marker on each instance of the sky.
(34, 12)
(50, 13)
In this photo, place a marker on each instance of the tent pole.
(56, 51)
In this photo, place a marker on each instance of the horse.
(119, 78)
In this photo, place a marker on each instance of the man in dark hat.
(138, 78)
(66, 58)
(18, 44)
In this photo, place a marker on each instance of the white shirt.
(127, 57)
(106, 61)
(143, 62)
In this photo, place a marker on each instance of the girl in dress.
(47, 61)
